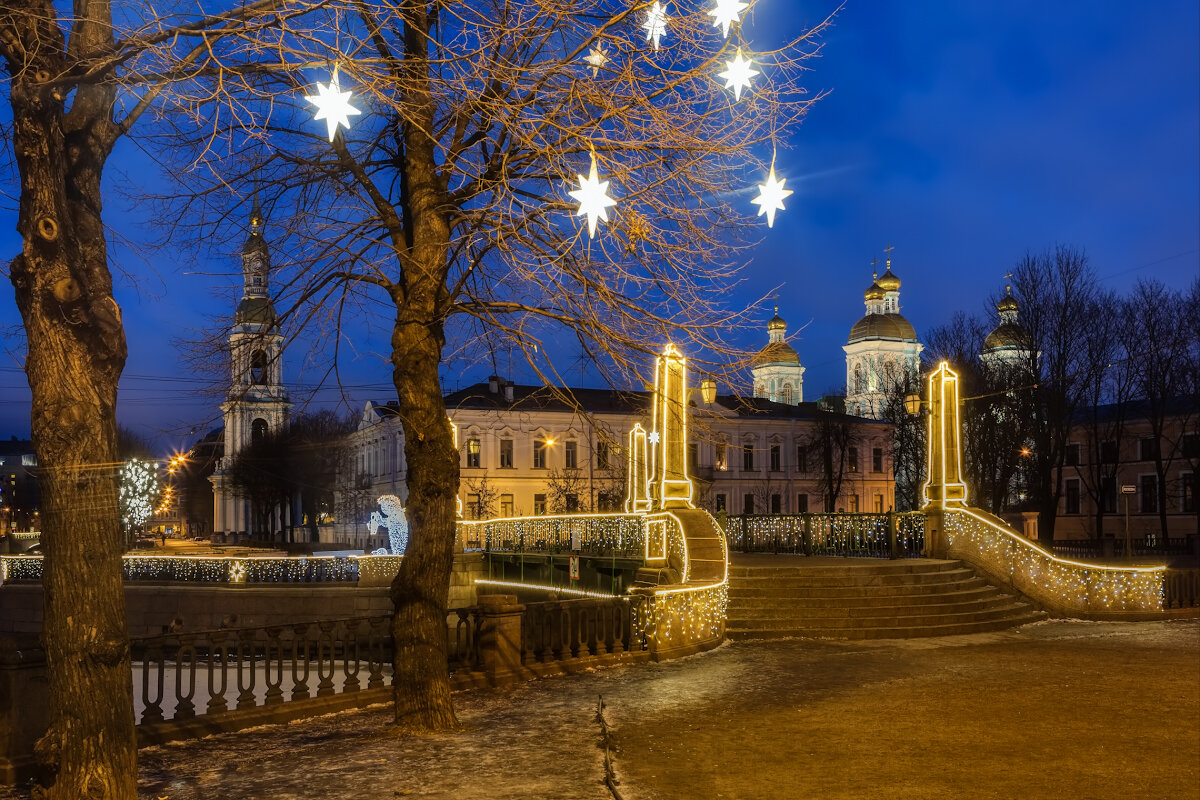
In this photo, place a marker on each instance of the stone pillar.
(23, 706)
(1029, 524)
(500, 637)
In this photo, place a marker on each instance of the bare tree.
(63, 73)
(831, 438)
(487, 498)
(564, 488)
(448, 207)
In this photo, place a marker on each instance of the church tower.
(256, 402)
(881, 350)
(776, 370)
(1009, 346)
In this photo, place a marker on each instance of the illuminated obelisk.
(670, 486)
(945, 485)
(637, 492)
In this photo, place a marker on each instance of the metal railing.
(852, 535)
(608, 535)
(566, 629)
(1115, 547)
(227, 569)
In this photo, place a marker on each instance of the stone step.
(1022, 617)
(864, 566)
(853, 578)
(882, 620)
(706, 570)
(782, 593)
(828, 609)
(823, 598)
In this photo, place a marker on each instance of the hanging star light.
(770, 196)
(333, 105)
(737, 74)
(597, 57)
(656, 23)
(725, 13)
(593, 198)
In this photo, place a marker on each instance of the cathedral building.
(881, 350)
(256, 402)
(777, 373)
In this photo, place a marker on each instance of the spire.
(256, 267)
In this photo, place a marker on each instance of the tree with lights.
(138, 493)
(494, 175)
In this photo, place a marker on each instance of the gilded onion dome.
(889, 282)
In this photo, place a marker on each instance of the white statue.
(390, 516)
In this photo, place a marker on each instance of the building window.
(776, 458)
(719, 459)
(748, 458)
(878, 504)
(570, 454)
(852, 504)
(859, 384)
(258, 367)
(258, 430)
(539, 504)
(1149, 489)
(608, 501)
(1108, 452)
(1147, 449)
(472, 452)
(877, 459)
(473, 506)
(802, 503)
(776, 504)
(785, 396)
(801, 458)
(693, 456)
(571, 503)
(506, 505)
(747, 504)
(1073, 495)
(852, 459)
(1188, 479)
(1108, 494)
(539, 454)
(1191, 445)
(602, 455)
(506, 454)
(1072, 455)
(720, 502)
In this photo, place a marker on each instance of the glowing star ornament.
(593, 198)
(770, 197)
(333, 105)
(656, 23)
(726, 13)
(597, 57)
(737, 75)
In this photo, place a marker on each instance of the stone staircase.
(781, 596)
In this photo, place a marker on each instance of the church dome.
(882, 326)
(888, 282)
(1007, 335)
(255, 310)
(874, 293)
(776, 353)
(1009, 303)
(776, 323)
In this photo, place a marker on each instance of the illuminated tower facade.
(256, 402)
(778, 375)
(882, 349)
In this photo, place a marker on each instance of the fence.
(1114, 547)
(851, 535)
(609, 535)
(557, 631)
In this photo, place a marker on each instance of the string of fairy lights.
(332, 105)
(841, 533)
(621, 535)
(229, 569)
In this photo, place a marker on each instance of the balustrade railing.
(1181, 588)
(566, 629)
(854, 535)
(229, 569)
(1115, 547)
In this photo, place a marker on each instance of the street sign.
(574, 568)
(1128, 490)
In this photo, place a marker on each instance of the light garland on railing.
(684, 615)
(540, 587)
(844, 533)
(230, 569)
(596, 534)
(1072, 585)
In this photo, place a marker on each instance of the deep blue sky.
(964, 134)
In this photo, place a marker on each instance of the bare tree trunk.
(75, 354)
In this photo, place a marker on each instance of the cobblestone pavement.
(1056, 710)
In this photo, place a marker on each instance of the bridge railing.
(855, 535)
(619, 535)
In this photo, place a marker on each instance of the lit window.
(472, 452)
(570, 455)
(852, 459)
(539, 454)
(539, 504)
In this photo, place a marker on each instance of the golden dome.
(1009, 303)
(882, 326)
(776, 323)
(874, 293)
(889, 282)
(776, 353)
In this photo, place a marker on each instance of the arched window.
(785, 396)
(258, 430)
(859, 385)
(258, 367)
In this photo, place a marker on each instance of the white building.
(256, 401)
(882, 348)
(777, 373)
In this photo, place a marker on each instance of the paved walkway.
(1056, 710)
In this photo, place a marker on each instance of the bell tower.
(256, 402)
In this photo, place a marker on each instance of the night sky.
(963, 134)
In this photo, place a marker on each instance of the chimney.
(708, 390)
(493, 383)
(508, 392)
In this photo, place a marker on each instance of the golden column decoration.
(945, 484)
(637, 492)
(670, 485)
